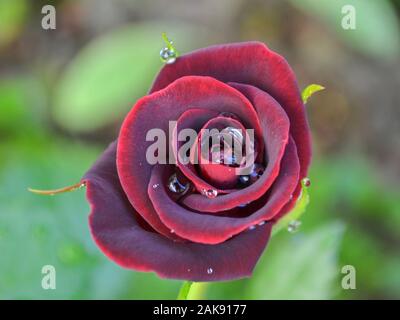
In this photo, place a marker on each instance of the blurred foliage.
(300, 258)
(377, 29)
(13, 15)
(353, 216)
(110, 74)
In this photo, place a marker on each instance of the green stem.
(192, 291)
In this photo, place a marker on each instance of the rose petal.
(154, 111)
(212, 229)
(121, 238)
(250, 63)
(275, 124)
(221, 176)
(194, 119)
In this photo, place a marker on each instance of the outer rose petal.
(117, 231)
(249, 63)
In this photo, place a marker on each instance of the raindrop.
(293, 226)
(243, 205)
(256, 172)
(210, 193)
(261, 223)
(156, 185)
(168, 55)
(234, 132)
(210, 270)
(306, 182)
(172, 231)
(227, 114)
(252, 227)
(244, 180)
(176, 186)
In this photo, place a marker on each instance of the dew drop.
(256, 172)
(210, 193)
(244, 180)
(176, 186)
(306, 182)
(235, 133)
(243, 205)
(168, 55)
(156, 185)
(252, 227)
(261, 223)
(227, 114)
(294, 226)
(210, 270)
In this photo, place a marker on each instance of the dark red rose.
(217, 224)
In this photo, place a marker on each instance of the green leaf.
(184, 291)
(110, 74)
(297, 211)
(301, 266)
(310, 90)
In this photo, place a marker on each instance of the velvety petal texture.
(182, 216)
(119, 232)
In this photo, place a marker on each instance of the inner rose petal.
(221, 150)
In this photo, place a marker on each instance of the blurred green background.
(64, 93)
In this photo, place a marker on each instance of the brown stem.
(56, 191)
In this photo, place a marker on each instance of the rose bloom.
(203, 222)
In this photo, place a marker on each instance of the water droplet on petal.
(234, 133)
(243, 205)
(176, 186)
(156, 185)
(306, 182)
(227, 114)
(244, 180)
(252, 227)
(210, 193)
(210, 270)
(168, 55)
(256, 172)
(261, 223)
(293, 226)
(172, 231)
